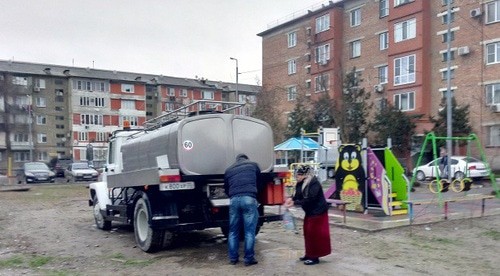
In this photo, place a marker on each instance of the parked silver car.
(36, 172)
(461, 166)
(80, 171)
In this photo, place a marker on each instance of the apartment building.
(49, 111)
(400, 47)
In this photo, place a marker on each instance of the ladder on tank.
(192, 109)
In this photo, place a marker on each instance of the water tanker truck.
(168, 177)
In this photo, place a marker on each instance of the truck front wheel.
(148, 239)
(100, 222)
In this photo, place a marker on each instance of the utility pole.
(237, 96)
(449, 123)
(30, 121)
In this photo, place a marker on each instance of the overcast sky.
(180, 38)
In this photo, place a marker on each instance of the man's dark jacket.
(242, 178)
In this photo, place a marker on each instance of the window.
(127, 88)
(40, 83)
(184, 93)
(291, 93)
(322, 23)
(308, 84)
(88, 86)
(91, 119)
(132, 119)
(21, 156)
(383, 8)
(92, 101)
(321, 83)
(382, 74)
(101, 136)
(42, 138)
(41, 120)
(323, 54)
(20, 137)
(21, 119)
(128, 104)
(493, 12)
(494, 135)
(493, 53)
(451, 55)
(22, 101)
(171, 92)
(493, 94)
(292, 39)
(292, 67)
(405, 30)
(405, 101)
(83, 136)
(42, 156)
(40, 102)
(401, 2)
(20, 81)
(404, 70)
(449, 19)
(355, 49)
(444, 74)
(60, 126)
(449, 37)
(208, 95)
(169, 106)
(355, 16)
(383, 40)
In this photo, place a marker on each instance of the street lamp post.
(237, 96)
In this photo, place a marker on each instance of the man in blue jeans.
(240, 184)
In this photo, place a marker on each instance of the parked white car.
(80, 172)
(461, 166)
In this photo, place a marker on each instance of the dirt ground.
(49, 230)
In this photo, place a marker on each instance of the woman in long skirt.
(309, 195)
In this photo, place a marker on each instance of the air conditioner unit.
(475, 12)
(495, 107)
(379, 88)
(462, 51)
(36, 89)
(323, 62)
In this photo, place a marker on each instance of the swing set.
(459, 184)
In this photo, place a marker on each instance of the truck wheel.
(147, 238)
(99, 218)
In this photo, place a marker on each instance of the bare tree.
(353, 110)
(266, 110)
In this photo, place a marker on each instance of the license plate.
(174, 186)
(87, 176)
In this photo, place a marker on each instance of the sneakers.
(251, 262)
(311, 261)
(233, 262)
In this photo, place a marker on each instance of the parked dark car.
(61, 165)
(36, 172)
